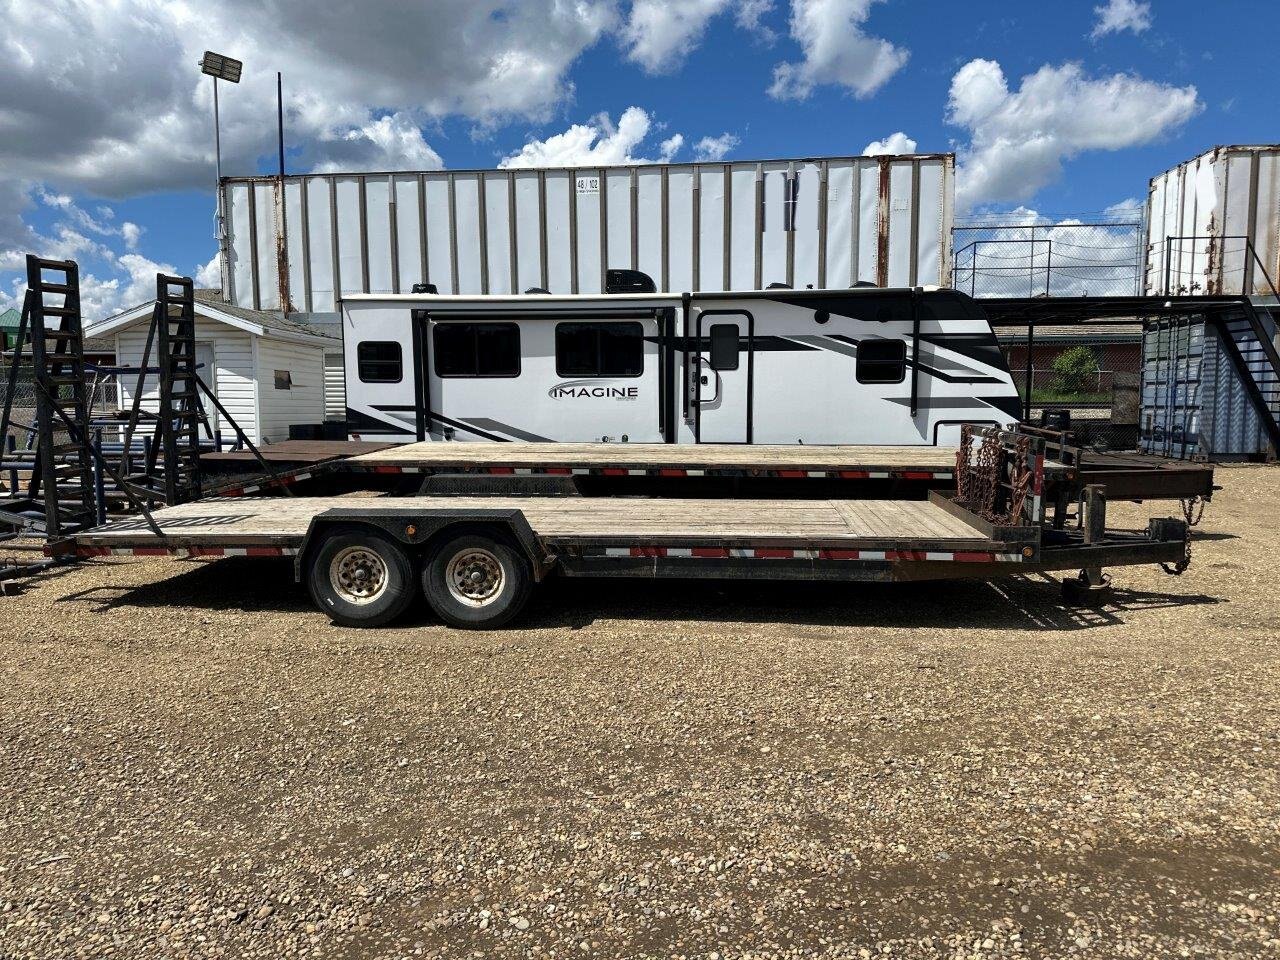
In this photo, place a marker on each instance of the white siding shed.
(268, 372)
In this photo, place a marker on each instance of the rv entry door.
(721, 371)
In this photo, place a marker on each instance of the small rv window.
(599, 349)
(284, 380)
(379, 361)
(476, 349)
(882, 361)
(724, 346)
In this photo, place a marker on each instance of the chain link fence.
(1088, 383)
(1001, 259)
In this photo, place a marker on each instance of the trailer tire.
(476, 582)
(361, 578)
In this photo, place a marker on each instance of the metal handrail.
(1252, 259)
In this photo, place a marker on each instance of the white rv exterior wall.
(232, 356)
(304, 401)
(1220, 196)
(710, 226)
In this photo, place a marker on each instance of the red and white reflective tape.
(791, 553)
(658, 471)
(86, 551)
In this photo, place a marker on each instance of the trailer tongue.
(476, 558)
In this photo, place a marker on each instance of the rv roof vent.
(425, 288)
(628, 281)
(778, 286)
(864, 283)
(538, 290)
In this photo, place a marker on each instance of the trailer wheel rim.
(475, 577)
(358, 575)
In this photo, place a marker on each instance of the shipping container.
(1213, 224)
(1197, 402)
(824, 222)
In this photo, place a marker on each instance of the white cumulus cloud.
(1019, 139)
(671, 146)
(209, 275)
(836, 51)
(893, 145)
(598, 142)
(124, 109)
(713, 149)
(392, 142)
(1118, 15)
(660, 34)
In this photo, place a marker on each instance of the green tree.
(1075, 371)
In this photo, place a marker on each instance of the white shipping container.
(1213, 224)
(825, 222)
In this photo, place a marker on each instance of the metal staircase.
(1252, 349)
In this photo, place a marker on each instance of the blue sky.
(376, 92)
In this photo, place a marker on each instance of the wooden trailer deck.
(232, 523)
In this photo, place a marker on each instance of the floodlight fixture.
(221, 67)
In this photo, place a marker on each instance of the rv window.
(599, 349)
(724, 346)
(378, 361)
(476, 349)
(882, 361)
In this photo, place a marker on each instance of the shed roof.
(1074, 333)
(210, 305)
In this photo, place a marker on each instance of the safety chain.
(962, 461)
(1021, 479)
(978, 478)
(1192, 516)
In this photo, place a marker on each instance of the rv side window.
(882, 361)
(379, 361)
(599, 349)
(724, 346)
(476, 349)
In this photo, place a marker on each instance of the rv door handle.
(704, 379)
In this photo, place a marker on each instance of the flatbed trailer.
(696, 470)
(476, 558)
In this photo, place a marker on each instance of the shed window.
(599, 349)
(476, 349)
(284, 380)
(882, 361)
(724, 346)
(379, 361)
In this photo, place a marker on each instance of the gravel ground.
(193, 762)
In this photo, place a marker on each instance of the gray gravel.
(193, 762)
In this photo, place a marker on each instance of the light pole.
(220, 68)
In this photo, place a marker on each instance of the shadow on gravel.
(237, 583)
(1015, 603)
(22, 583)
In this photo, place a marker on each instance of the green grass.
(1058, 396)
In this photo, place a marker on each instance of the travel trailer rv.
(854, 366)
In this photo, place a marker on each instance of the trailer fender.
(418, 528)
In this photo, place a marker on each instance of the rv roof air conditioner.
(864, 283)
(778, 286)
(425, 288)
(538, 290)
(628, 281)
